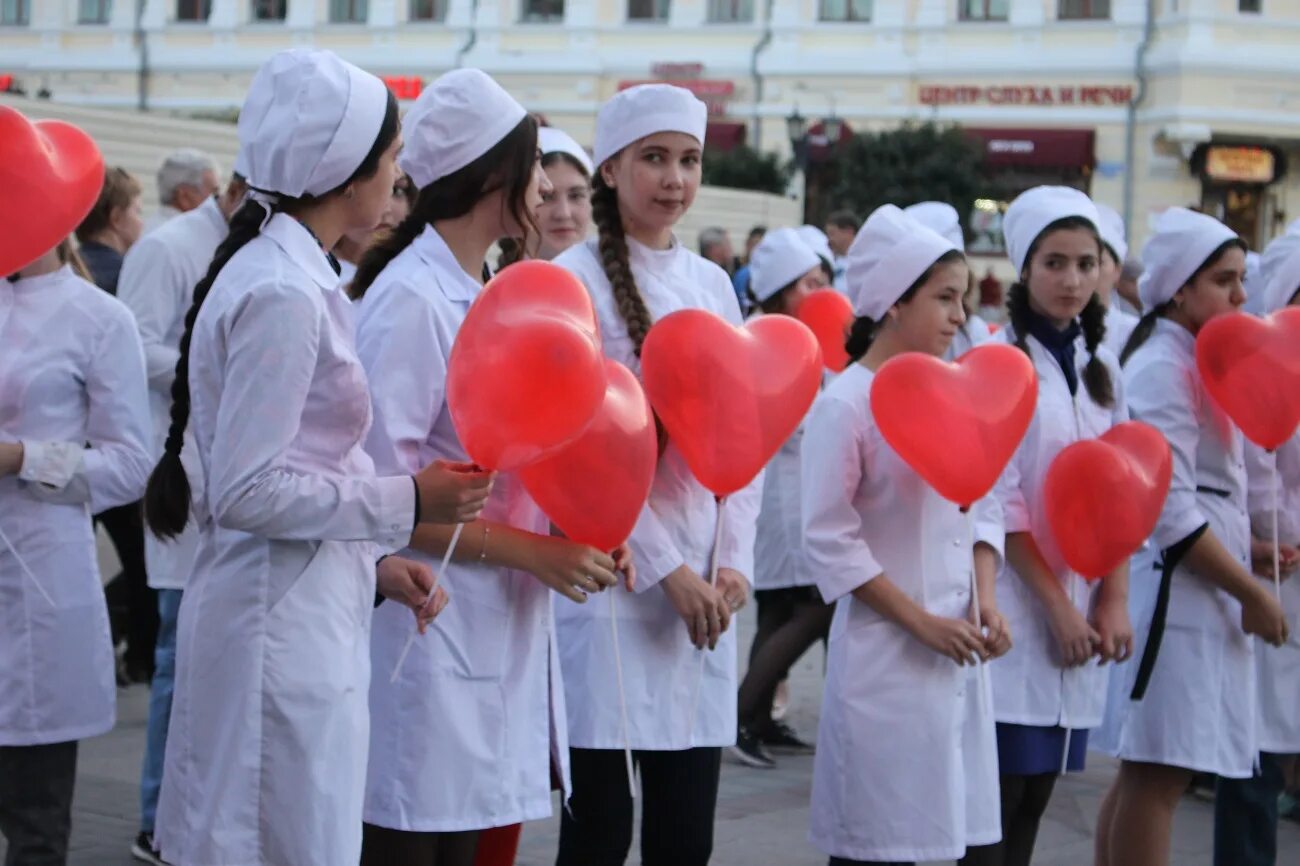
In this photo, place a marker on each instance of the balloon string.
(424, 608)
(713, 581)
(1065, 752)
(27, 571)
(981, 671)
(1277, 554)
(622, 695)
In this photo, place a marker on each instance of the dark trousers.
(1024, 801)
(1245, 816)
(790, 621)
(36, 785)
(679, 795)
(132, 605)
(381, 846)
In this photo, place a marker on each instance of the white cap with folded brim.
(941, 218)
(779, 259)
(817, 241)
(1282, 272)
(1182, 242)
(644, 110)
(551, 140)
(1111, 229)
(889, 254)
(457, 119)
(1035, 210)
(308, 122)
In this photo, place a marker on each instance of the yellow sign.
(1240, 164)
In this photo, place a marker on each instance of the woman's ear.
(607, 173)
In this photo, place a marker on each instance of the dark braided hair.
(167, 497)
(1147, 324)
(614, 259)
(1092, 320)
(507, 166)
(513, 249)
(862, 333)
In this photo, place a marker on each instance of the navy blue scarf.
(1059, 344)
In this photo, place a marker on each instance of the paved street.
(762, 814)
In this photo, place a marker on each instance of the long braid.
(167, 498)
(1018, 311)
(614, 259)
(1142, 331)
(512, 250)
(1096, 376)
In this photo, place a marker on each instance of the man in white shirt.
(157, 284)
(186, 179)
(841, 228)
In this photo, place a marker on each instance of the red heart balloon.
(956, 424)
(829, 314)
(594, 487)
(729, 397)
(526, 373)
(1251, 367)
(50, 176)
(1095, 529)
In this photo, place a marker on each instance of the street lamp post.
(797, 128)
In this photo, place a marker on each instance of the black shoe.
(750, 752)
(782, 739)
(144, 851)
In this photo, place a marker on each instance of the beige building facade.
(1196, 103)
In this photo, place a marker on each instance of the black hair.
(507, 166)
(1147, 324)
(844, 219)
(1092, 320)
(167, 497)
(862, 333)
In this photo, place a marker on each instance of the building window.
(428, 10)
(193, 10)
(647, 10)
(13, 13)
(845, 10)
(94, 11)
(348, 11)
(1083, 9)
(269, 10)
(731, 11)
(1249, 5)
(983, 10)
(543, 11)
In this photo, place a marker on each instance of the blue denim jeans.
(160, 706)
(1245, 816)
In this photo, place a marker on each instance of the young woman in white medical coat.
(1246, 810)
(791, 614)
(74, 440)
(1194, 683)
(1051, 689)
(906, 766)
(563, 218)
(648, 148)
(466, 738)
(266, 753)
(1114, 251)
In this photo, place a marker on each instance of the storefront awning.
(1036, 148)
(724, 135)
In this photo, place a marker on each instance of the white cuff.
(52, 464)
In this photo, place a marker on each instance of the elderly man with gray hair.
(186, 179)
(715, 245)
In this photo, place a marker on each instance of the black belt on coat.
(1169, 559)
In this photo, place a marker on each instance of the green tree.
(745, 168)
(913, 163)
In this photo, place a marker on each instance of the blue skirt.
(1028, 750)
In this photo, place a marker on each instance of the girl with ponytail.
(266, 754)
(1190, 702)
(648, 146)
(1050, 689)
(459, 740)
(906, 768)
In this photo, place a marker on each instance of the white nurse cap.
(1183, 241)
(457, 119)
(551, 140)
(643, 110)
(779, 259)
(308, 122)
(941, 218)
(890, 253)
(1035, 210)
(1111, 229)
